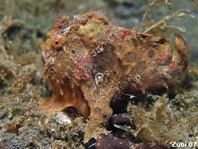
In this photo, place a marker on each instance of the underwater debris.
(151, 5)
(163, 23)
(89, 61)
(154, 3)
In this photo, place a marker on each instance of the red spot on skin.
(82, 70)
(83, 60)
(162, 57)
(137, 32)
(121, 38)
(108, 29)
(57, 25)
(126, 32)
(172, 66)
(79, 73)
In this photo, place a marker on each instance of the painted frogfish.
(89, 61)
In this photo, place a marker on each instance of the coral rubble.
(14, 74)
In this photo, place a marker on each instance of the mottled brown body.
(89, 61)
